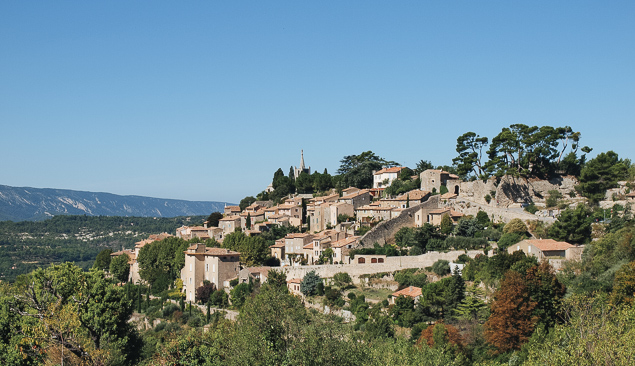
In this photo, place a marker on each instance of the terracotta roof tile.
(549, 244)
(410, 291)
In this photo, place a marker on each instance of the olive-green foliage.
(62, 239)
(515, 226)
(357, 170)
(342, 279)
(411, 277)
(441, 267)
(573, 226)
(509, 239)
(240, 293)
(400, 186)
(446, 225)
(601, 173)
(531, 208)
(468, 227)
(482, 218)
(491, 269)
(468, 243)
(160, 262)
(554, 196)
(119, 268)
(103, 260)
(594, 333)
(253, 249)
(83, 312)
(245, 202)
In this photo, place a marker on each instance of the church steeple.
(298, 170)
(302, 160)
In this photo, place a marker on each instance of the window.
(380, 260)
(190, 280)
(206, 267)
(190, 266)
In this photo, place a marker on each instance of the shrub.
(488, 198)
(441, 267)
(169, 309)
(531, 208)
(515, 226)
(508, 240)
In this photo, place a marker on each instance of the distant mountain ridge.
(24, 203)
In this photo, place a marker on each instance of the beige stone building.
(373, 213)
(215, 265)
(231, 210)
(548, 249)
(436, 216)
(342, 247)
(357, 198)
(432, 180)
(229, 224)
(290, 249)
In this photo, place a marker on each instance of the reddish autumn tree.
(512, 320)
(440, 335)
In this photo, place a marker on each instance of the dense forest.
(27, 245)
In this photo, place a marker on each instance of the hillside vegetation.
(27, 245)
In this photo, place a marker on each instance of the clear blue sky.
(204, 100)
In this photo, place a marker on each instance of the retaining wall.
(392, 264)
(387, 229)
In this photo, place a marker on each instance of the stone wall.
(392, 264)
(387, 229)
(496, 214)
(511, 191)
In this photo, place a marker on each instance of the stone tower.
(297, 171)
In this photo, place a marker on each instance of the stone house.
(410, 291)
(229, 224)
(630, 196)
(231, 210)
(320, 243)
(290, 249)
(294, 286)
(548, 249)
(384, 177)
(253, 273)
(372, 213)
(254, 217)
(436, 216)
(215, 265)
(350, 190)
(342, 247)
(433, 179)
(357, 199)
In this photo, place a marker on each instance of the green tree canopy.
(119, 268)
(357, 170)
(601, 173)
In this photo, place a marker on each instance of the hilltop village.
(330, 226)
(480, 263)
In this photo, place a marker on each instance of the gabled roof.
(410, 291)
(212, 251)
(448, 196)
(451, 212)
(395, 169)
(344, 242)
(549, 244)
(295, 280)
(230, 218)
(415, 194)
